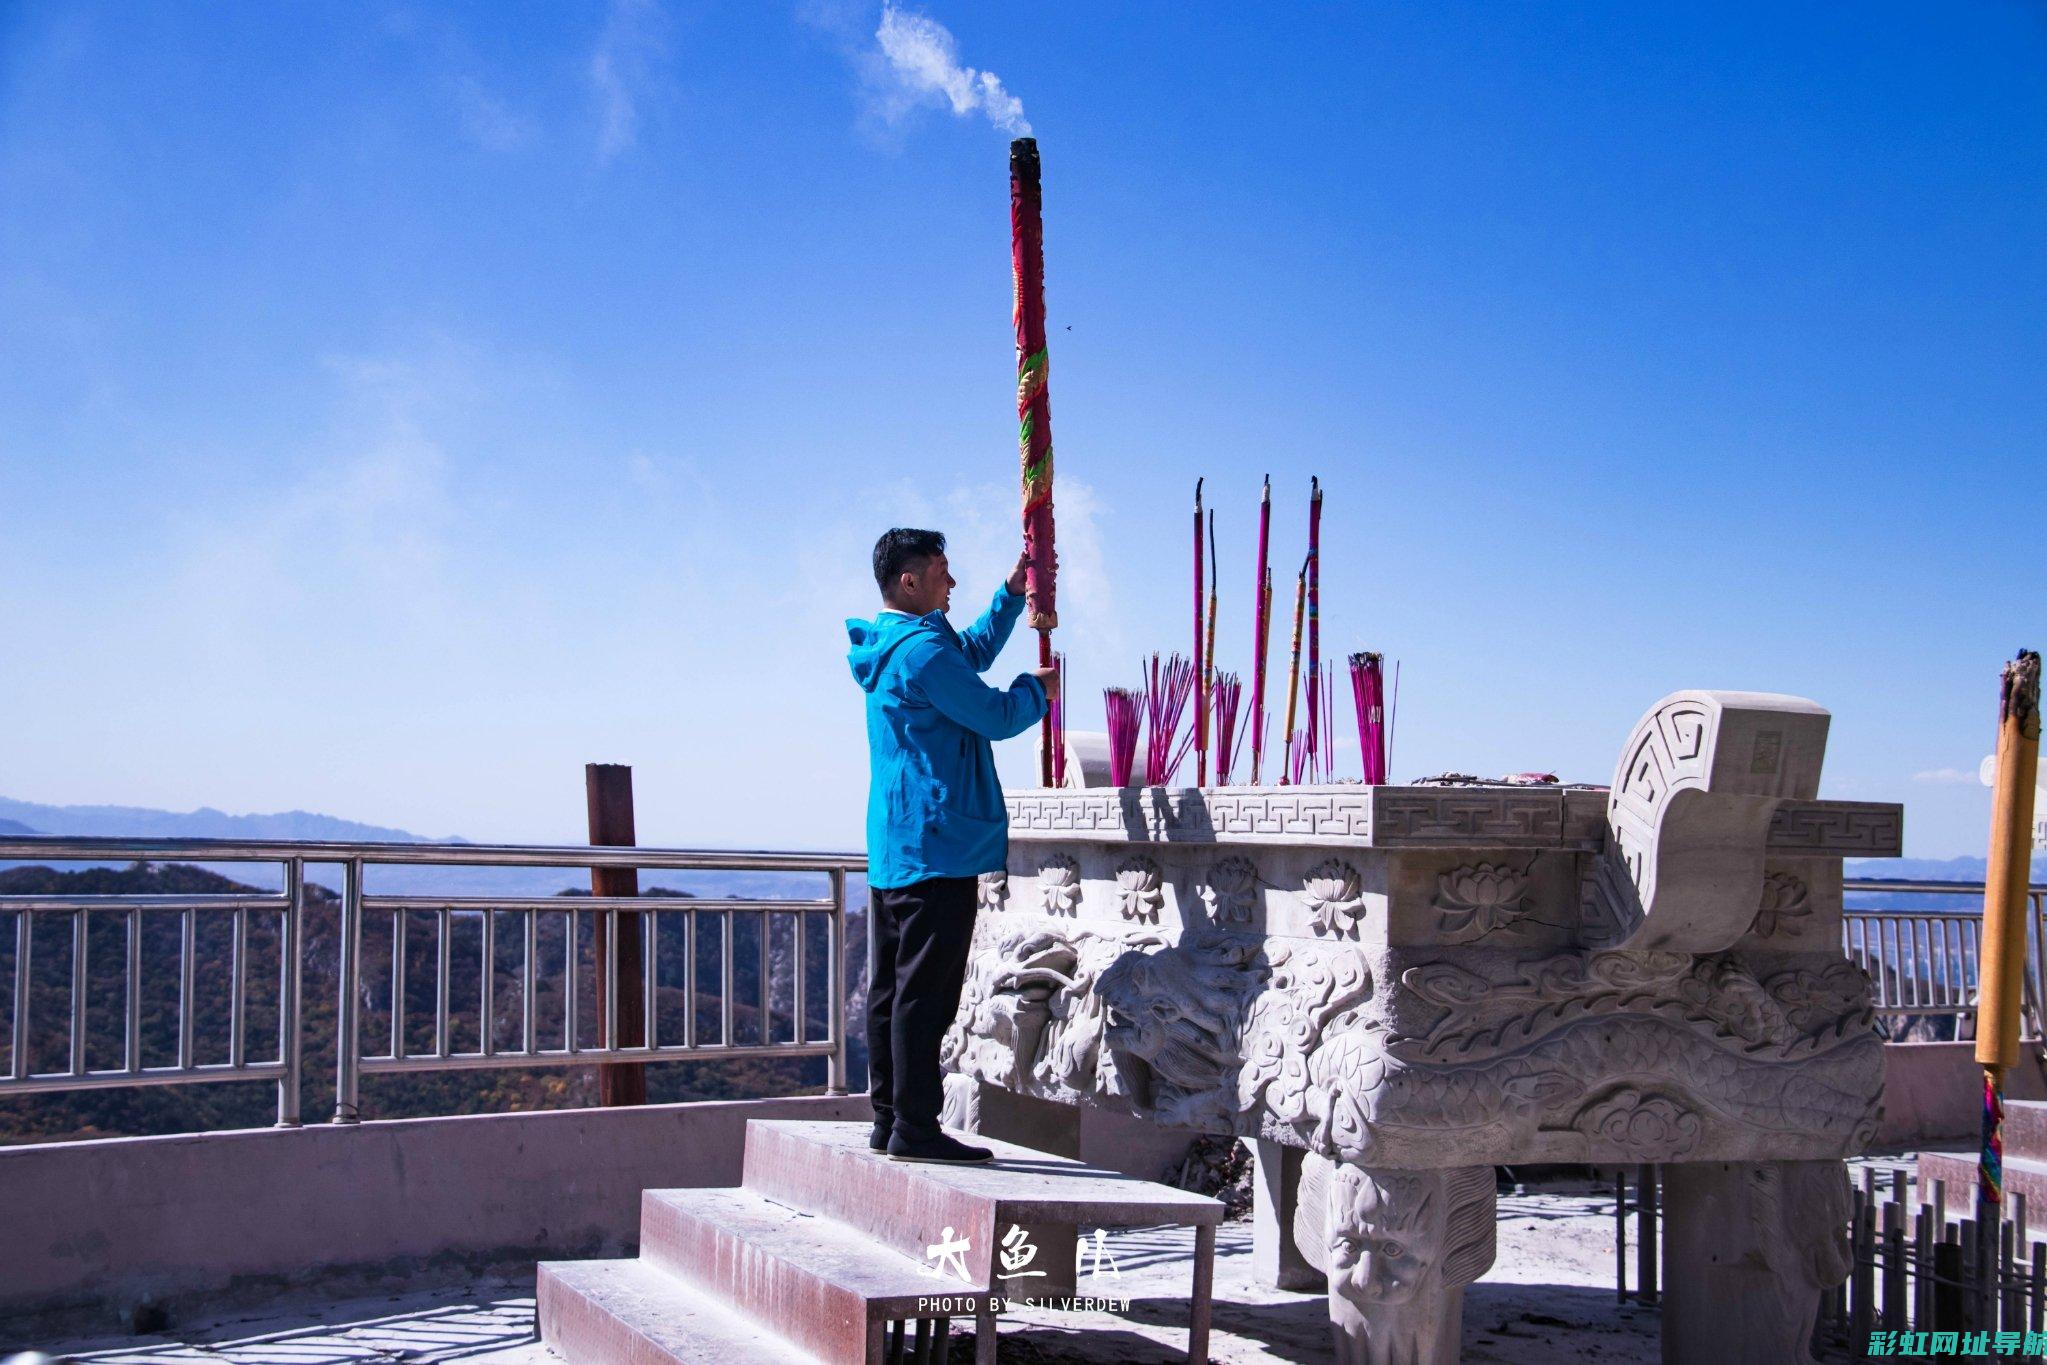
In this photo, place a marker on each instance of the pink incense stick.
(1314, 615)
(1200, 707)
(1262, 631)
(1125, 710)
(1058, 710)
(1368, 688)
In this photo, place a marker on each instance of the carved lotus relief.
(1785, 899)
(1644, 1126)
(1059, 885)
(1334, 895)
(1480, 897)
(1140, 890)
(1231, 891)
(994, 890)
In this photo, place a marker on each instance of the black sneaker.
(948, 1150)
(878, 1135)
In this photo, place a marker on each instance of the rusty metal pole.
(609, 790)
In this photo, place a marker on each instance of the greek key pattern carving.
(1846, 829)
(1193, 816)
(1420, 817)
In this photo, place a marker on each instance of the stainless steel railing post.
(347, 1014)
(290, 1034)
(835, 999)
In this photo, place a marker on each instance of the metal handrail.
(1925, 962)
(355, 860)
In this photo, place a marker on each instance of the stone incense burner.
(1394, 989)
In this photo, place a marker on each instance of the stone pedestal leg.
(1401, 1246)
(1747, 1249)
(1276, 1256)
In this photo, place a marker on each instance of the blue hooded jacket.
(934, 804)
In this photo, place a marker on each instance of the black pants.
(921, 936)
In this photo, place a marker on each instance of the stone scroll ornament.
(1689, 813)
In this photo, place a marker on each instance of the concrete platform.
(628, 1310)
(828, 1287)
(2022, 1176)
(1547, 1301)
(827, 1168)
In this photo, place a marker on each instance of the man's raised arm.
(984, 639)
(949, 684)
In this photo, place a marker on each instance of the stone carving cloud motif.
(994, 890)
(1785, 898)
(1478, 898)
(1138, 891)
(1231, 891)
(1642, 1126)
(1334, 897)
(1059, 884)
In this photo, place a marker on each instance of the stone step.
(827, 1287)
(826, 1168)
(631, 1313)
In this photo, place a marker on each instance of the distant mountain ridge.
(204, 823)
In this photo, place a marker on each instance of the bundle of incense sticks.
(1125, 710)
(1057, 712)
(1172, 683)
(1227, 690)
(1368, 687)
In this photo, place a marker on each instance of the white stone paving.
(1548, 1299)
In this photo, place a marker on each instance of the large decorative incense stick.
(1206, 701)
(2005, 911)
(1368, 689)
(1229, 690)
(1033, 408)
(1315, 726)
(1328, 739)
(1261, 630)
(1293, 672)
(1125, 710)
(1200, 664)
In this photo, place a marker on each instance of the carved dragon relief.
(1234, 1032)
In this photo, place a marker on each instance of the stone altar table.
(1394, 989)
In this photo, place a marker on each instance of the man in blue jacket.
(935, 819)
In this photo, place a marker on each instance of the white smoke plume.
(924, 63)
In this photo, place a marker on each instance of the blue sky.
(401, 405)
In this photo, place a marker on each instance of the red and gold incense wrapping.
(1033, 408)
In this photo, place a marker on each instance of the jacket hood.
(873, 643)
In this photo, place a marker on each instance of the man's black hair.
(899, 549)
